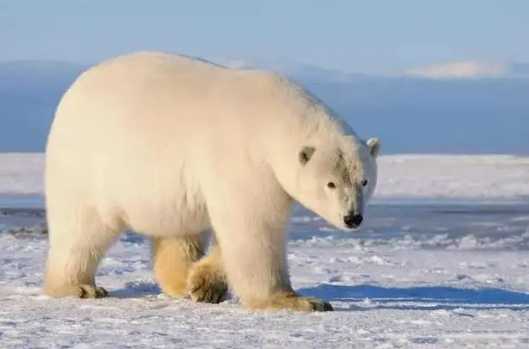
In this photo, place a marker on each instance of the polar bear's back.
(167, 97)
(149, 92)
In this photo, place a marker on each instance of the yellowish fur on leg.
(291, 301)
(86, 288)
(172, 258)
(207, 280)
(73, 274)
(79, 291)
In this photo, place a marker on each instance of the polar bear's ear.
(374, 146)
(305, 154)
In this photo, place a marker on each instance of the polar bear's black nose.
(353, 220)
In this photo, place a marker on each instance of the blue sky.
(353, 36)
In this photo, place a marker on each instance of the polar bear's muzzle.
(353, 220)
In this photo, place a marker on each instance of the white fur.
(171, 146)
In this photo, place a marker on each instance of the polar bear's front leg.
(253, 247)
(207, 280)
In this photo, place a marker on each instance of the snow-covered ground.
(471, 177)
(21, 173)
(443, 261)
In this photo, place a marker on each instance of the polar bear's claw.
(305, 304)
(209, 291)
(89, 291)
(320, 305)
(291, 301)
(207, 284)
(311, 304)
(206, 281)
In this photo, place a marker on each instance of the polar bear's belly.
(166, 219)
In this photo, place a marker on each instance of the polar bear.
(177, 148)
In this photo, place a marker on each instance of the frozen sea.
(442, 261)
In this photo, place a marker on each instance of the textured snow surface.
(471, 177)
(405, 280)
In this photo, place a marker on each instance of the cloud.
(461, 70)
(468, 69)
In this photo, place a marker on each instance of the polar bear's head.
(336, 179)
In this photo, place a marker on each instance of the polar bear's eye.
(364, 182)
(331, 185)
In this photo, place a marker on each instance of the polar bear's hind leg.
(172, 260)
(78, 240)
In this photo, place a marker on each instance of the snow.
(21, 173)
(442, 261)
(470, 177)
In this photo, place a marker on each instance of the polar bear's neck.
(301, 120)
(305, 120)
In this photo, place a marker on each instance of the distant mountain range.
(487, 112)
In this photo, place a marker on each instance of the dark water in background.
(402, 225)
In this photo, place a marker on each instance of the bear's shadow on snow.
(419, 298)
(137, 289)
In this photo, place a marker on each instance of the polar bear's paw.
(90, 291)
(312, 304)
(78, 291)
(292, 301)
(206, 283)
